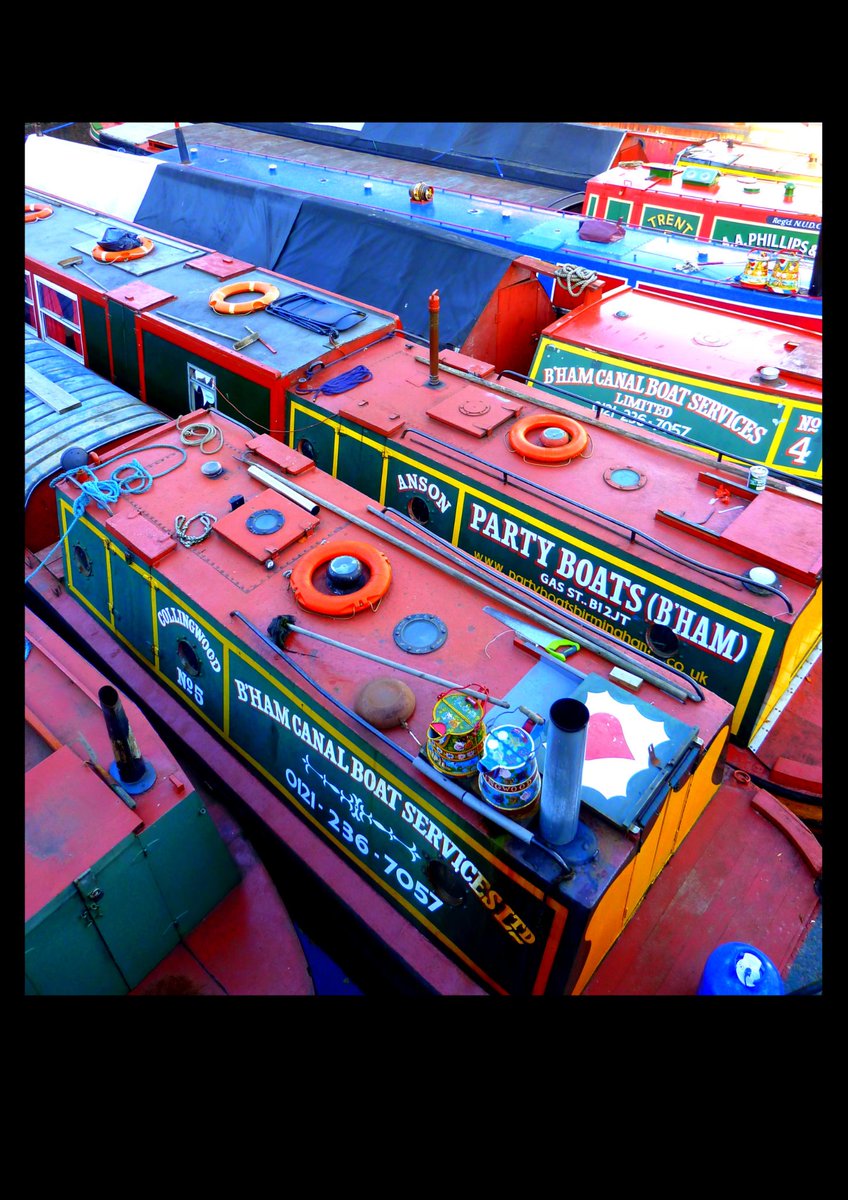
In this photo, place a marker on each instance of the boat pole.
(285, 625)
(504, 597)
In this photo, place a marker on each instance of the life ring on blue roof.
(37, 212)
(561, 438)
(110, 256)
(267, 295)
(354, 575)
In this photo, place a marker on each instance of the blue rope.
(342, 383)
(130, 479)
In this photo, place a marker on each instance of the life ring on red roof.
(363, 570)
(37, 212)
(110, 256)
(267, 295)
(561, 438)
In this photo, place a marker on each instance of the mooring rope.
(574, 279)
(130, 479)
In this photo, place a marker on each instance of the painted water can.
(456, 733)
(756, 272)
(507, 773)
(785, 274)
(736, 969)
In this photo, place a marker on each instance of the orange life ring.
(37, 212)
(109, 256)
(375, 587)
(561, 451)
(268, 294)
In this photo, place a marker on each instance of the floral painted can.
(507, 773)
(455, 734)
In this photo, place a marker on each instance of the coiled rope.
(199, 434)
(575, 280)
(181, 526)
(130, 479)
(342, 383)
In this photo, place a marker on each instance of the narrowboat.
(644, 252)
(662, 546)
(136, 881)
(334, 200)
(509, 790)
(760, 216)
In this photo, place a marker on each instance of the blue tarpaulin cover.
(386, 262)
(554, 154)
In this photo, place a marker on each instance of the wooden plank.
(52, 394)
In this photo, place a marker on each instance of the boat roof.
(765, 195)
(741, 158)
(66, 405)
(390, 265)
(683, 335)
(554, 153)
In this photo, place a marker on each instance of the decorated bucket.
(756, 272)
(507, 773)
(456, 733)
(785, 274)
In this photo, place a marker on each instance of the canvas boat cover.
(555, 154)
(379, 260)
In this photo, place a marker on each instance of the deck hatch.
(140, 536)
(477, 413)
(251, 528)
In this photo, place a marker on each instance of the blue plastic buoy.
(736, 969)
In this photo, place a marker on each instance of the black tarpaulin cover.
(386, 262)
(555, 154)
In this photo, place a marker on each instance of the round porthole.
(265, 521)
(625, 479)
(418, 511)
(662, 640)
(188, 657)
(305, 447)
(82, 562)
(420, 633)
(445, 882)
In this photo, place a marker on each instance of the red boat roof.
(696, 339)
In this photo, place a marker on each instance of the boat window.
(662, 640)
(305, 447)
(29, 302)
(187, 655)
(59, 317)
(202, 389)
(418, 510)
(82, 560)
